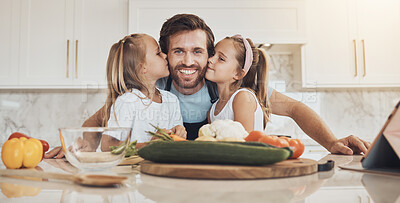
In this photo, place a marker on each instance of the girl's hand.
(178, 130)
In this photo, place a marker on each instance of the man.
(188, 43)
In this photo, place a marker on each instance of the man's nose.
(188, 60)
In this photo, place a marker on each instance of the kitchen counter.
(334, 186)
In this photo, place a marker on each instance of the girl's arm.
(244, 105)
(176, 118)
(108, 141)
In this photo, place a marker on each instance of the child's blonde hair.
(256, 78)
(123, 65)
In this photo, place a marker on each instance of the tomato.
(18, 135)
(267, 140)
(274, 140)
(254, 136)
(45, 145)
(282, 142)
(297, 146)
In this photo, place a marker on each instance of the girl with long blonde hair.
(240, 71)
(134, 65)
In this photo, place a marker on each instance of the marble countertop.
(336, 185)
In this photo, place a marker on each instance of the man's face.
(187, 57)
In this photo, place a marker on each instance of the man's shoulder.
(168, 95)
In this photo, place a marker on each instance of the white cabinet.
(65, 43)
(263, 21)
(98, 25)
(352, 43)
(46, 25)
(9, 24)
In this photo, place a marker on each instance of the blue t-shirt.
(194, 108)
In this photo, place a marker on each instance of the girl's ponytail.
(261, 86)
(256, 78)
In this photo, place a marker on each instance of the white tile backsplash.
(39, 113)
(360, 112)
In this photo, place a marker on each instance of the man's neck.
(189, 91)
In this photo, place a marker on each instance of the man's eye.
(177, 51)
(197, 52)
(221, 59)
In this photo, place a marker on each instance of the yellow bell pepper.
(21, 152)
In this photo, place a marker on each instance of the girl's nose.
(210, 61)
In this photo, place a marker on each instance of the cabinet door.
(98, 25)
(328, 55)
(46, 25)
(262, 21)
(9, 23)
(379, 23)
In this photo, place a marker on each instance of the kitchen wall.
(361, 112)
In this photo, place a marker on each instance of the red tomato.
(254, 136)
(45, 145)
(274, 140)
(267, 140)
(18, 135)
(297, 146)
(282, 142)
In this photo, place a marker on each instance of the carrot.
(177, 138)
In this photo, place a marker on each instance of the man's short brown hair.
(184, 22)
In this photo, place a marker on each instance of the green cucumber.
(213, 153)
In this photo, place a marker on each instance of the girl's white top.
(227, 111)
(136, 113)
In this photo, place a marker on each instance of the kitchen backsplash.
(361, 112)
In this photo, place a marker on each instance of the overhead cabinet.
(65, 43)
(352, 43)
(266, 21)
(9, 42)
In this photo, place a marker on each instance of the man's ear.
(239, 75)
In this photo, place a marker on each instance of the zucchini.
(213, 153)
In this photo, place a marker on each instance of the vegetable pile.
(21, 150)
(130, 150)
(223, 130)
(163, 135)
(294, 144)
(215, 145)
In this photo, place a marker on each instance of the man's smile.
(187, 72)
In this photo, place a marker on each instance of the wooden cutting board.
(287, 168)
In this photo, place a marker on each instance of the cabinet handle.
(76, 59)
(355, 57)
(67, 58)
(365, 69)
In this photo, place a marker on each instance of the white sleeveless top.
(227, 111)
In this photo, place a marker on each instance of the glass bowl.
(89, 149)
